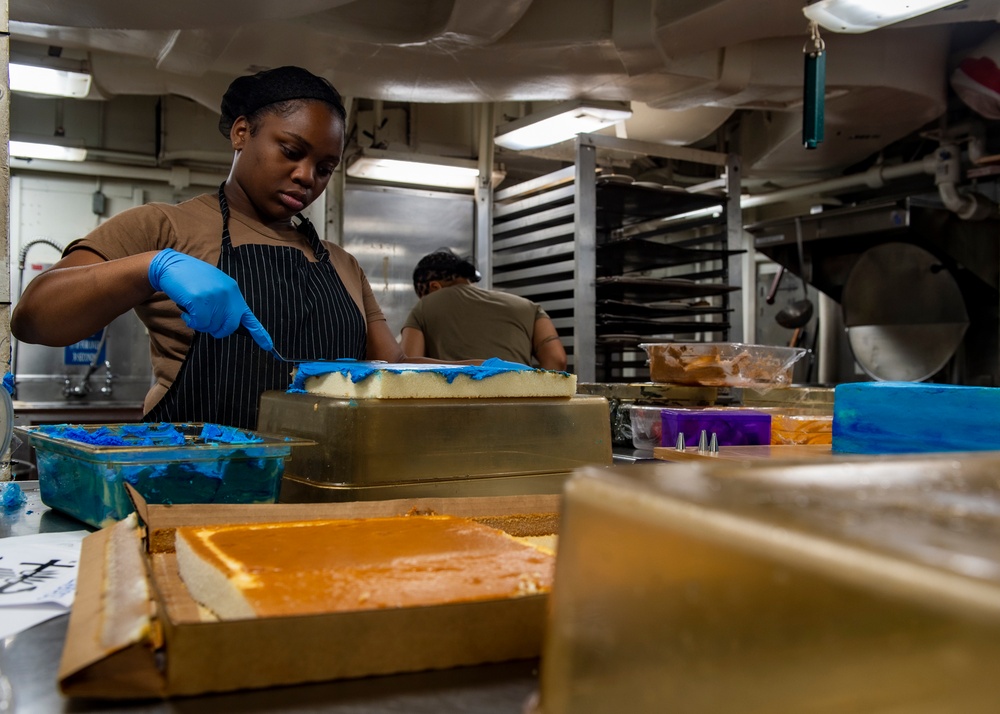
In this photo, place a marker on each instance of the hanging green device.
(814, 90)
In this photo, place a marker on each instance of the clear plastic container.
(165, 463)
(801, 428)
(786, 426)
(722, 364)
(647, 426)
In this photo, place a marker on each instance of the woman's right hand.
(209, 299)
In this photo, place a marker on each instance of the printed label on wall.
(86, 352)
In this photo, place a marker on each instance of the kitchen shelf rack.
(617, 264)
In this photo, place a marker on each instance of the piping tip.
(680, 441)
(703, 441)
(713, 445)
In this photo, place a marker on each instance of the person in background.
(223, 280)
(455, 320)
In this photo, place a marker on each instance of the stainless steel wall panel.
(389, 229)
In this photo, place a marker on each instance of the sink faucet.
(108, 379)
(76, 391)
(82, 388)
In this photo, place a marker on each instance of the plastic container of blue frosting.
(83, 469)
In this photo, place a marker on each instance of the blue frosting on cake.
(913, 417)
(359, 371)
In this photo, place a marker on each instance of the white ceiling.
(687, 64)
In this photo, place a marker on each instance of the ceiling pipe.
(968, 206)
(875, 177)
(178, 176)
(943, 164)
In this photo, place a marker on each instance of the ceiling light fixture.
(561, 122)
(865, 15)
(32, 150)
(32, 79)
(397, 167)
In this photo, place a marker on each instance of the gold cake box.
(829, 586)
(371, 449)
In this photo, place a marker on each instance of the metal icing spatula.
(282, 358)
(277, 355)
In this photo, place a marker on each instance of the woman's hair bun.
(248, 94)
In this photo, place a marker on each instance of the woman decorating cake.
(226, 282)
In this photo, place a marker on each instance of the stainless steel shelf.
(602, 255)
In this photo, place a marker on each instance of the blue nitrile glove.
(209, 299)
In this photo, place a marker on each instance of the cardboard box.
(135, 631)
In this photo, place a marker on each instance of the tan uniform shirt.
(195, 227)
(462, 322)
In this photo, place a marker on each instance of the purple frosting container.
(732, 428)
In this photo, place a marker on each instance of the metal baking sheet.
(626, 288)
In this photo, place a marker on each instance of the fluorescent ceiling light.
(561, 122)
(43, 80)
(865, 15)
(377, 165)
(31, 150)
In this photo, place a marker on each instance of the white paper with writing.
(37, 578)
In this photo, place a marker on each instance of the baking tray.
(400, 448)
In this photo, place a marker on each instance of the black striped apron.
(303, 305)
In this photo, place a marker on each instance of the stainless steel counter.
(29, 661)
(84, 411)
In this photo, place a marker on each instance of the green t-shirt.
(466, 322)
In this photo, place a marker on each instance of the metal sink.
(81, 404)
(84, 411)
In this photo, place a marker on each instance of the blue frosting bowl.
(83, 469)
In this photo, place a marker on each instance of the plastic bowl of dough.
(722, 364)
(83, 469)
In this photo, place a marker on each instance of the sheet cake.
(348, 379)
(314, 567)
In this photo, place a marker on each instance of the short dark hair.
(249, 95)
(442, 265)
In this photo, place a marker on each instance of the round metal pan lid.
(904, 312)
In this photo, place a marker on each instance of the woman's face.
(286, 164)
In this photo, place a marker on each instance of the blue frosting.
(97, 437)
(143, 434)
(216, 434)
(8, 382)
(11, 496)
(910, 417)
(358, 371)
(207, 463)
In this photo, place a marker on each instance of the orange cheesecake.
(312, 567)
